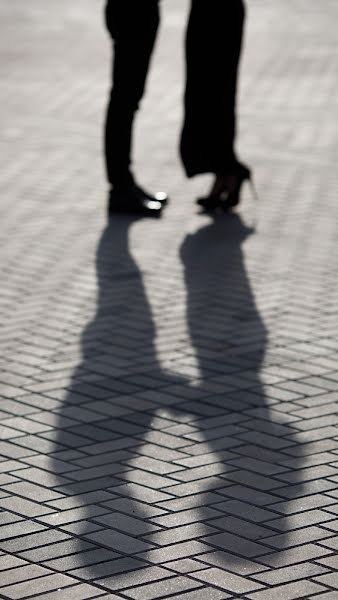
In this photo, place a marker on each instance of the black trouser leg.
(133, 25)
(213, 46)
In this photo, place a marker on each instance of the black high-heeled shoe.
(227, 200)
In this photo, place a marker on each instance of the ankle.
(224, 183)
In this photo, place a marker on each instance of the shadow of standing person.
(102, 421)
(244, 438)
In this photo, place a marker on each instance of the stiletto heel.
(227, 200)
(253, 189)
(232, 199)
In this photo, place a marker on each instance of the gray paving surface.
(169, 388)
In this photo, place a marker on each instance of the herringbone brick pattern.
(169, 388)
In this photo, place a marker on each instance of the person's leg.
(133, 26)
(213, 46)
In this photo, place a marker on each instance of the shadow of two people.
(227, 466)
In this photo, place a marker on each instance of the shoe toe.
(209, 202)
(161, 197)
(154, 205)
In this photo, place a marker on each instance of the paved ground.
(169, 412)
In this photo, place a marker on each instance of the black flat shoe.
(227, 200)
(134, 200)
(157, 197)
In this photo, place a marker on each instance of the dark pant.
(213, 45)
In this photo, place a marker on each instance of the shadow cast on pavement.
(164, 466)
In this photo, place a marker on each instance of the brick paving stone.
(189, 489)
(128, 506)
(253, 480)
(43, 444)
(312, 487)
(205, 593)
(296, 555)
(304, 504)
(91, 569)
(7, 517)
(11, 450)
(331, 542)
(7, 561)
(147, 479)
(289, 591)
(6, 479)
(69, 516)
(161, 589)
(26, 425)
(7, 433)
(99, 471)
(330, 579)
(77, 592)
(14, 530)
(37, 586)
(144, 575)
(186, 565)
(333, 494)
(228, 541)
(241, 527)
(197, 473)
(76, 501)
(228, 581)
(144, 494)
(236, 564)
(88, 557)
(256, 497)
(26, 489)
(119, 541)
(7, 466)
(303, 535)
(185, 517)
(304, 519)
(112, 597)
(319, 459)
(160, 453)
(175, 551)
(107, 569)
(289, 574)
(311, 473)
(52, 551)
(180, 534)
(126, 524)
(252, 513)
(90, 485)
(40, 477)
(25, 573)
(258, 466)
(79, 527)
(330, 561)
(89, 462)
(33, 540)
(44, 462)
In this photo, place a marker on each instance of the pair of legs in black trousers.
(213, 44)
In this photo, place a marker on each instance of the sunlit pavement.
(169, 387)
